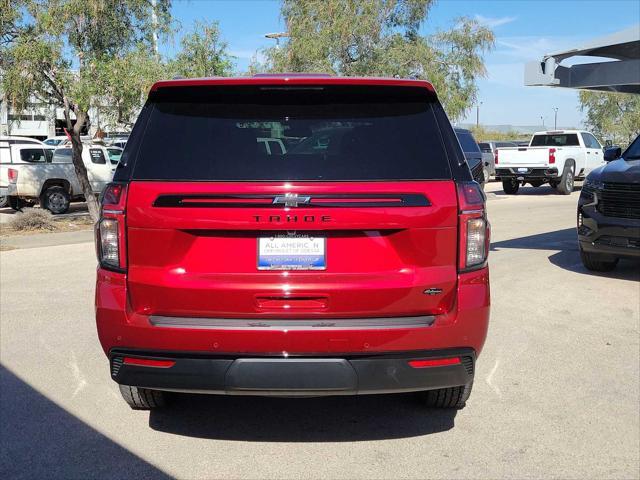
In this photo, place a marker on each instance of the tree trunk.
(79, 167)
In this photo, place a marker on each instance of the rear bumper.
(464, 326)
(531, 173)
(292, 376)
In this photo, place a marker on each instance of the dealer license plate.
(292, 253)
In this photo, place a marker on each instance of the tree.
(204, 53)
(612, 116)
(75, 54)
(381, 38)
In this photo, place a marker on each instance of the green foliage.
(482, 134)
(203, 54)
(65, 52)
(77, 54)
(380, 38)
(612, 116)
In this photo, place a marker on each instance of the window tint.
(62, 155)
(114, 155)
(329, 133)
(97, 156)
(559, 140)
(33, 155)
(467, 142)
(276, 148)
(633, 152)
(485, 147)
(590, 141)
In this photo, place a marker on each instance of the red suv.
(293, 235)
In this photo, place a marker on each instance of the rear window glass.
(97, 156)
(467, 142)
(315, 133)
(485, 147)
(62, 155)
(559, 140)
(33, 155)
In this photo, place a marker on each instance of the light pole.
(478, 114)
(277, 36)
(555, 118)
(542, 120)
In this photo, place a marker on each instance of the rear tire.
(486, 175)
(453, 397)
(4, 201)
(56, 200)
(142, 398)
(565, 187)
(596, 262)
(510, 186)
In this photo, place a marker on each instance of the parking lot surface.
(556, 392)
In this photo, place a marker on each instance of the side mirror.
(611, 153)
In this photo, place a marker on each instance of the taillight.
(111, 228)
(552, 155)
(473, 240)
(495, 156)
(13, 175)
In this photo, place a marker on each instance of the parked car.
(609, 210)
(554, 157)
(357, 269)
(116, 142)
(489, 151)
(55, 141)
(52, 181)
(13, 140)
(12, 154)
(62, 140)
(473, 155)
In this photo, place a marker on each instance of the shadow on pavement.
(568, 255)
(538, 191)
(38, 439)
(328, 419)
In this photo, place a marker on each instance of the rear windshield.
(559, 140)
(271, 133)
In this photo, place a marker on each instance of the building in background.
(40, 120)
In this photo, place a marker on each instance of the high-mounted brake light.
(110, 229)
(552, 155)
(13, 175)
(473, 239)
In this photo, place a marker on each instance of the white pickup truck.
(40, 174)
(554, 157)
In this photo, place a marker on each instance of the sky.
(524, 30)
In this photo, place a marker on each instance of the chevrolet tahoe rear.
(353, 261)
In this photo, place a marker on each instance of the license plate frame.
(272, 254)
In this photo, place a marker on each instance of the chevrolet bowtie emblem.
(291, 199)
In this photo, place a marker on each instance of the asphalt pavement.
(556, 394)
